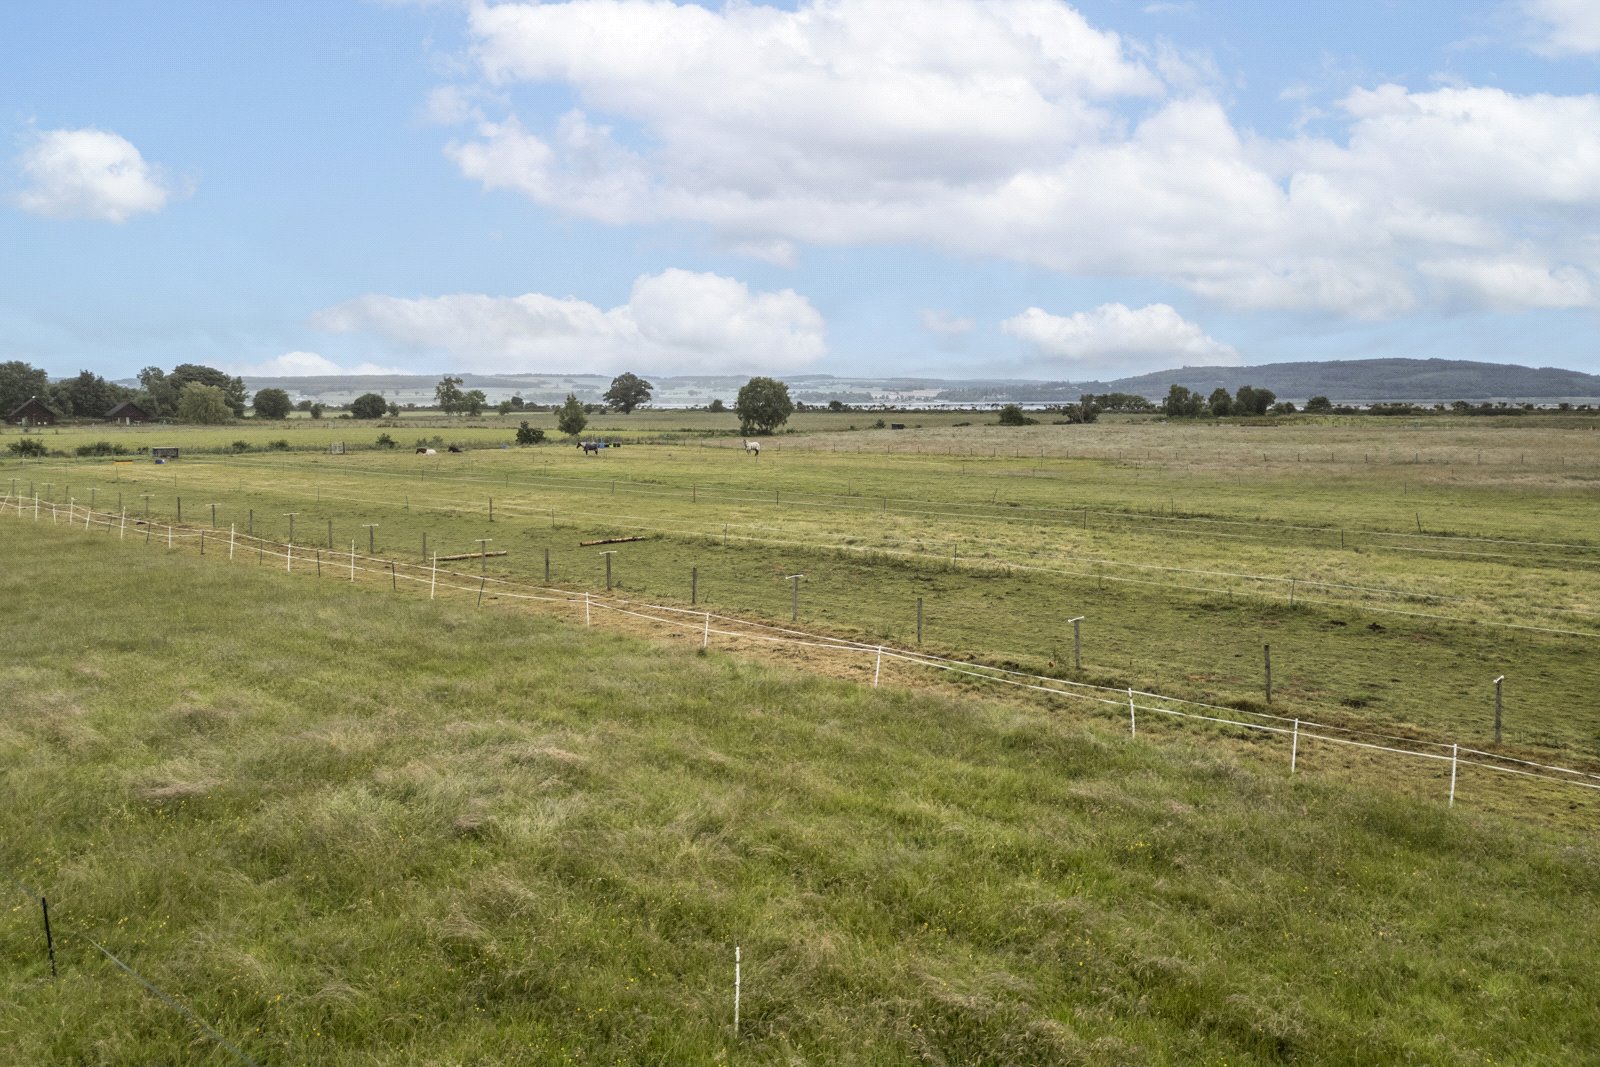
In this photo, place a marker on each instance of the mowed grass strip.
(347, 827)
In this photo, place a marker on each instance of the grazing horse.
(591, 447)
(753, 447)
(454, 448)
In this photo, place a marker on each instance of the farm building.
(127, 413)
(32, 412)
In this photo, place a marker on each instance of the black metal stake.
(1266, 651)
(49, 940)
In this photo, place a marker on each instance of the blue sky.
(953, 188)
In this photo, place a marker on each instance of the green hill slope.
(346, 828)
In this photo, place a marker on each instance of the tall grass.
(345, 828)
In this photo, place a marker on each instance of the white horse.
(753, 447)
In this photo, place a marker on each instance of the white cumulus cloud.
(1513, 284)
(1014, 129)
(1564, 27)
(678, 322)
(89, 174)
(1116, 340)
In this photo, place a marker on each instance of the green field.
(345, 823)
(1395, 568)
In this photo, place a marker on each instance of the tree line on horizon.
(196, 393)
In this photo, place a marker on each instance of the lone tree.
(627, 392)
(763, 405)
(368, 406)
(570, 418)
(233, 391)
(448, 393)
(272, 404)
(203, 404)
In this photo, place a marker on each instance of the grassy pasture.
(1423, 557)
(345, 827)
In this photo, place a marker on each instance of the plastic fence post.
(1453, 751)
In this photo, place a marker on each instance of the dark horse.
(591, 446)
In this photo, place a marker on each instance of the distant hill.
(1342, 381)
(1367, 380)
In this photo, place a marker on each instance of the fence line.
(1028, 512)
(1291, 585)
(734, 628)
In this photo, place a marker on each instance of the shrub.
(1011, 415)
(101, 448)
(572, 418)
(280, 445)
(369, 406)
(272, 404)
(240, 446)
(529, 435)
(29, 446)
(385, 441)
